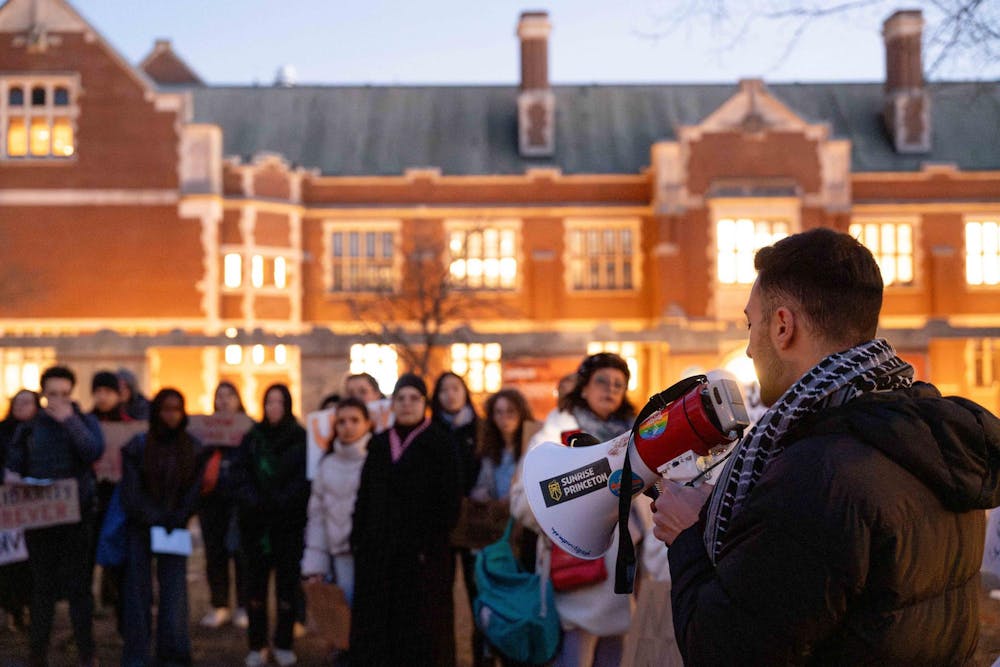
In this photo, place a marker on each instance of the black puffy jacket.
(860, 544)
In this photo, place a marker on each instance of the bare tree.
(957, 30)
(427, 306)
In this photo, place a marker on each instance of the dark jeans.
(173, 644)
(283, 555)
(60, 563)
(467, 559)
(221, 535)
(111, 577)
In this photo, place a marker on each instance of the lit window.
(234, 355)
(737, 240)
(478, 364)
(892, 246)
(483, 258)
(982, 252)
(38, 118)
(280, 272)
(280, 355)
(379, 361)
(362, 257)
(21, 368)
(257, 271)
(602, 254)
(17, 138)
(983, 357)
(257, 354)
(626, 351)
(233, 270)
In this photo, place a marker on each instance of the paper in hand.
(177, 541)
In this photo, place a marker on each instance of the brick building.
(195, 233)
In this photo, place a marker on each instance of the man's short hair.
(832, 277)
(58, 372)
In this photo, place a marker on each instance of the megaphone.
(573, 491)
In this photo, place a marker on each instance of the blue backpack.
(515, 609)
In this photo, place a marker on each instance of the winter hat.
(105, 379)
(410, 380)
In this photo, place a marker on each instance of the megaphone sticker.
(615, 483)
(654, 425)
(576, 483)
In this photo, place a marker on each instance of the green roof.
(600, 129)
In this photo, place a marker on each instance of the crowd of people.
(822, 540)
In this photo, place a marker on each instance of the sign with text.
(34, 506)
(116, 435)
(13, 548)
(219, 430)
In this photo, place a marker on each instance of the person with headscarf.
(134, 402)
(407, 504)
(161, 480)
(273, 495)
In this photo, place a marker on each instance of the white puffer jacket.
(331, 505)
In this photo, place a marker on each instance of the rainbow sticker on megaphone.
(654, 425)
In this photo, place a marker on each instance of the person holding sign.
(60, 443)
(273, 493)
(217, 513)
(15, 576)
(161, 481)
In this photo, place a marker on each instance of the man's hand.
(677, 509)
(60, 410)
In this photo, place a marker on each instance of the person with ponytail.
(161, 481)
(273, 494)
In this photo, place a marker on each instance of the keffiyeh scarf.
(836, 380)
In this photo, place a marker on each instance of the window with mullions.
(738, 240)
(37, 118)
(602, 255)
(982, 252)
(892, 246)
(362, 259)
(483, 257)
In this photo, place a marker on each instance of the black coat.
(273, 502)
(141, 508)
(860, 544)
(403, 612)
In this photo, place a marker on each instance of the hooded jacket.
(860, 544)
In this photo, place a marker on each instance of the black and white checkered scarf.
(837, 379)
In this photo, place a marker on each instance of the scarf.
(602, 429)
(397, 447)
(834, 381)
(458, 419)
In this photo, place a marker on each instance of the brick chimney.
(536, 104)
(907, 108)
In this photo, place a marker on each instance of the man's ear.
(783, 327)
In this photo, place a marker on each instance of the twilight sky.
(473, 41)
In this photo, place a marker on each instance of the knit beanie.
(410, 380)
(105, 379)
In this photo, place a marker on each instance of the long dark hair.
(490, 439)
(168, 480)
(232, 387)
(286, 399)
(589, 366)
(10, 406)
(436, 408)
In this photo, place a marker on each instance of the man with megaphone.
(847, 526)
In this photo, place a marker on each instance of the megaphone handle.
(652, 492)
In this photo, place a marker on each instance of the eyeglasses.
(609, 384)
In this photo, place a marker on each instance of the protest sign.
(380, 412)
(219, 430)
(13, 548)
(319, 438)
(37, 505)
(116, 435)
